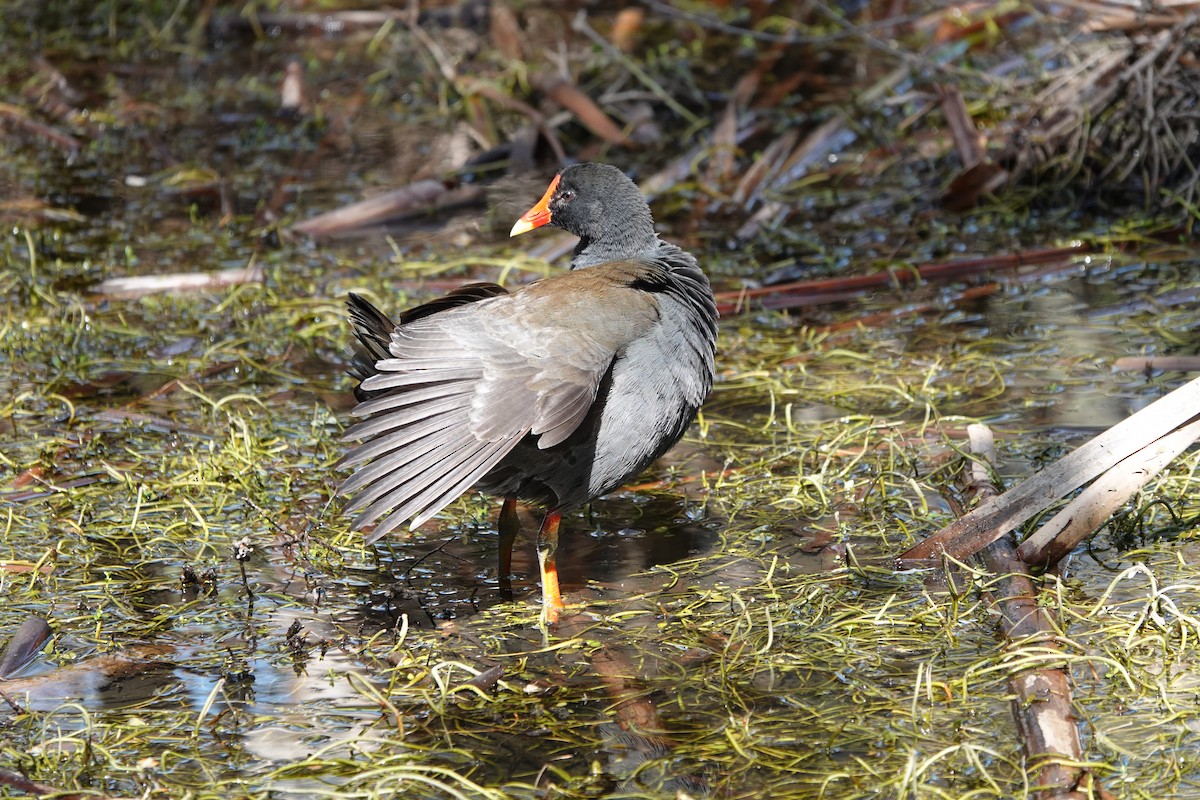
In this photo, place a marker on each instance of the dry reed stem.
(993, 519)
(1084, 515)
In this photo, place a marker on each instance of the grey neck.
(589, 252)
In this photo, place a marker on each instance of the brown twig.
(822, 290)
(825, 139)
(967, 139)
(506, 33)
(24, 645)
(882, 318)
(20, 119)
(1042, 697)
(572, 98)
(23, 784)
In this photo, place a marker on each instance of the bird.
(553, 394)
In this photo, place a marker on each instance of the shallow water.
(736, 625)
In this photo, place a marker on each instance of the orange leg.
(509, 526)
(547, 543)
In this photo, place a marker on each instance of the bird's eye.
(566, 195)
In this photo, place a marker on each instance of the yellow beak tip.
(521, 226)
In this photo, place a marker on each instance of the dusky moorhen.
(554, 394)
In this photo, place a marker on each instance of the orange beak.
(537, 216)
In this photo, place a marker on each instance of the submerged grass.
(165, 484)
(785, 658)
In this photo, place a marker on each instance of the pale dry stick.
(722, 163)
(138, 285)
(444, 65)
(1087, 512)
(1164, 363)
(767, 163)
(688, 163)
(416, 198)
(1042, 697)
(466, 85)
(827, 138)
(993, 519)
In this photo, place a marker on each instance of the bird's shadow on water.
(605, 550)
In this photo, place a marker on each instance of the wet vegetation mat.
(913, 223)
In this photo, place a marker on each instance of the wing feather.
(470, 465)
(558, 422)
(387, 443)
(419, 393)
(417, 463)
(415, 374)
(397, 419)
(463, 382)
(406, 495)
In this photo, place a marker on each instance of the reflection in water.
(117, 680)
(625, 534)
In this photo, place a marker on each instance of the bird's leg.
(509, 526)
(547, 543)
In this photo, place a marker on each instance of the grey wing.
(461, 389)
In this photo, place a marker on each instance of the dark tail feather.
(372, 333)
(461, 296)
(373, 329)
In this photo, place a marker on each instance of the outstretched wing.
(462, 386)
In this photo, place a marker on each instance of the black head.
(599, 204)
